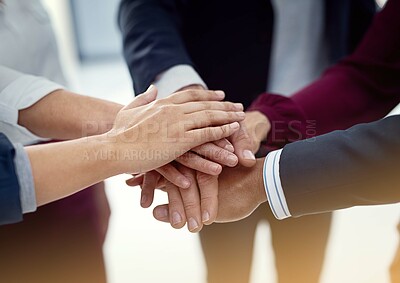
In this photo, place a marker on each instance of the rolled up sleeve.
(19, 91)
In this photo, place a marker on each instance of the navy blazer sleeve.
(358, 166)
(10, 205)
(151, 39)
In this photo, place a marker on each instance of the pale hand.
(150, 133)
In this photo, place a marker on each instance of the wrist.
(259, 180)
(259, 125)
(123, 152)
(107, 155)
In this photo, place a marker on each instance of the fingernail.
(143, 199)
(234, 125)
(247, 154)
(162, 213)
(193, 225)
(185, 183)
(220, 93)
(176, 218)
(239, 106)
(215, 167)
(230, 148)
(232, 159)
(206, 216)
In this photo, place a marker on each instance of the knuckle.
(210, 115)
(191, 206)
(194, 94)
(207, 105)
(204, 179)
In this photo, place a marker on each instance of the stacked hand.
(195, 194)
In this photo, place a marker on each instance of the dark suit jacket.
(227, 42)
(358, 166)
(10, 205)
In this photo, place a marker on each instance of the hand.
(240, 191)
(196, 206)
(148, 134)
(207, 158)
(242, 142)
(258, 127)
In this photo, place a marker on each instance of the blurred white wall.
(60, 14)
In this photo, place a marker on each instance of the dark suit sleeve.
(151, 38)
(358, 166)
(10, 205)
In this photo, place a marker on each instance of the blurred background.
(139, 249)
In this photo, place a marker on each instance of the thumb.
(145, 98)
(242, 143)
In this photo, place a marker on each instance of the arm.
(65, 115)
(342, 169)
(146, 135)
(35, 105)
(361, 88)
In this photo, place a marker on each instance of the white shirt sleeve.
(273, 187)
(176, 78)
(19, 91)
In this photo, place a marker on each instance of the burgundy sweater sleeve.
(361, 88)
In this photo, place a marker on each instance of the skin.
(64, 115)
(134, 137)
(200, 205)
(239, 191)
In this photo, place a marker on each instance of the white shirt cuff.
(273, 187)
(176, 78)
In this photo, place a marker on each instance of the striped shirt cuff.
(273, 187)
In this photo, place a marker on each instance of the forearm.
(65, 115)
(343, 169)
(61, 169)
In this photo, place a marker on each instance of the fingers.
(145, 98)
(196, 95)
(135, 180)
(170, 173)
(242, 143)
(212, 118)
(198, 163)
(191, 107)
(191, 201)
(224, 143)
(217, 154)
(209, 203)
(210, 134)
(161, 213)
(176, 210)
(150, 182)
(208, 186)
